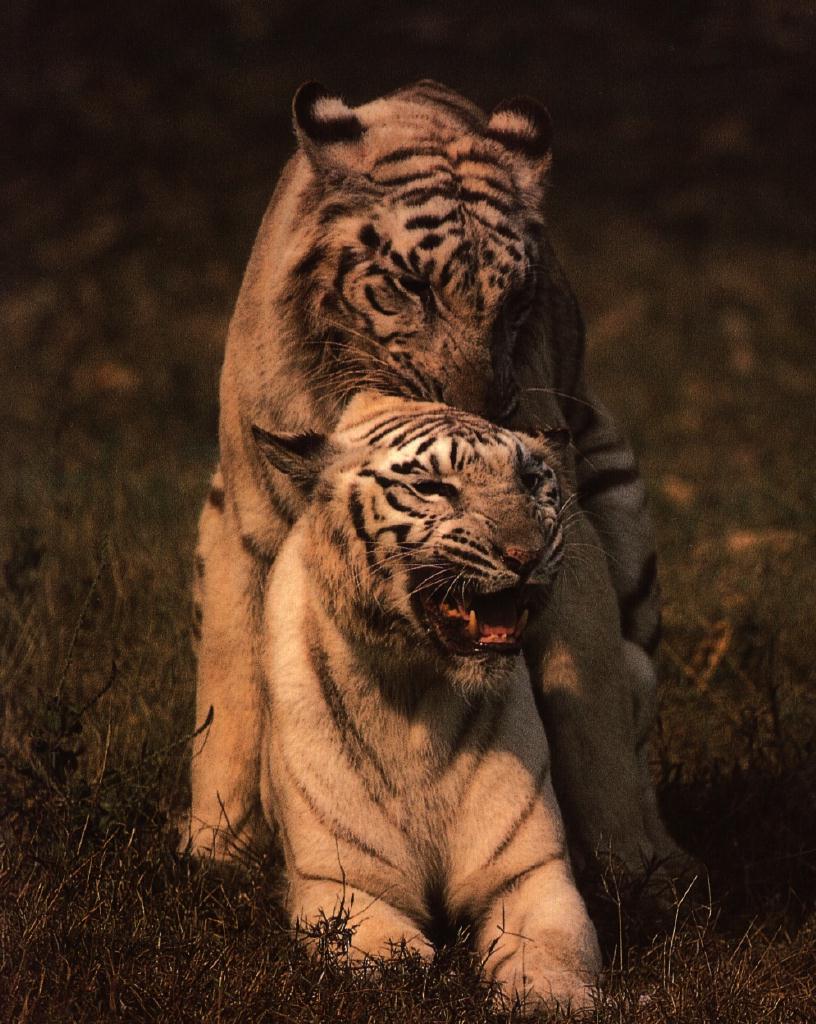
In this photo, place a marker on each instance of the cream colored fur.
(390, 783)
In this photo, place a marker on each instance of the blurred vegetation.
(141, 144)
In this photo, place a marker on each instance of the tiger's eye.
(531, 480)
(420, 287)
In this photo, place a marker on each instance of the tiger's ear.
(328, 130)
(301, 457)
(548, 442)
(523, 126)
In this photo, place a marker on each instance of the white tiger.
(402, 756)
(405, 250)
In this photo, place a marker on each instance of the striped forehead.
(440, 443)
(444, 199)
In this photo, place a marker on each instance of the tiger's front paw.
(539, 986)
(546, 975)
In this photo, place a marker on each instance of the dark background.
(140, 145)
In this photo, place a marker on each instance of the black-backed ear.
(301, 457)
(327, 129)
(523, 126)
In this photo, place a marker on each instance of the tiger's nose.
(521, 560)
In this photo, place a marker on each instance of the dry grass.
(144, 155)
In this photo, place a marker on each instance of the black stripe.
(499, 229)
(606, 481)
(529, 807)
(407, 179)
(397, 505)
(407, 153)
(642, 590)
(216, 498)
(499, 186)
(400, 531)
(446, 273)
(357, 516)
(309, 262)
(466, 114)
(385, 427)
(471, 195)
(515, 880)
(427, 221)
(372, 298)
(338, 830)
(345, 883)
(254, 550)
(426, 444)
(405, 467)
(200, 566)
(419, 196)
(468, 556)
(398, 261)
(477, 156)
(347, 262)
(430, 242)
(350, 735)
(333, 211)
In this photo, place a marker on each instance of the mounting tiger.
(402, 759)
(405, 250)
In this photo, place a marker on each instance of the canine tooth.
(473, 625)
(522, 622)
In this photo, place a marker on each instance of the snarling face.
(422, 268)
(448, 525)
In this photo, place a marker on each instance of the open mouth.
(475, 623)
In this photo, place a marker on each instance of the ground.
(141, 145)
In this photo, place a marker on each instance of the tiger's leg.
(377, 926)
(612, 495)
(538, 942)
(586, 682)
(225, 812)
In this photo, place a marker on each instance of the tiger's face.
(423, 272)
(450, 527)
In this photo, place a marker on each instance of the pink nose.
(522, 560)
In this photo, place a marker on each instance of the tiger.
(402, 759)
(405, 250)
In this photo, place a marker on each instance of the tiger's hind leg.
(586, 684)
(612, 495)
(225, 815)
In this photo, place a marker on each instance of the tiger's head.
(419, 251)
(429, 526)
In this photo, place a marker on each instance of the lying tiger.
(402, 756)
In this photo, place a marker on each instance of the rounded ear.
(549, 442)
(301, 457)
(523, 126)
(326, 128)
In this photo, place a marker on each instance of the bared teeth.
(522, 622)
(473, 625)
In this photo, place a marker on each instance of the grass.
(145, 149)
